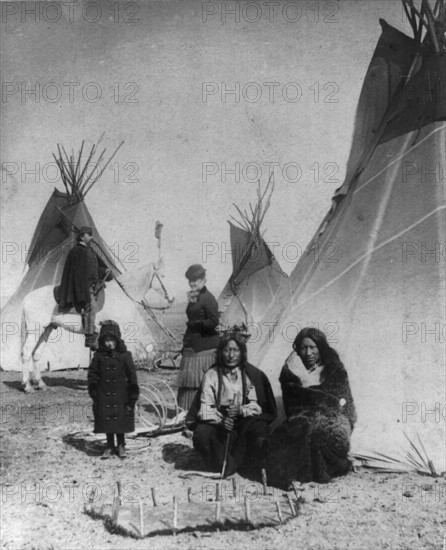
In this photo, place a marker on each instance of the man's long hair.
(329, 357)
(224, 341)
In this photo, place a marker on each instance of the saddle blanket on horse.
(73, 310)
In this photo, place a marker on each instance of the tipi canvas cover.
(373, 277)
(257, 278)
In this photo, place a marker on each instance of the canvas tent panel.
(48, 233)
(54, 228)
(392, 195)
(249, 254)
(253, 298)
(422, 101)
(256, 281)
(390, 62)
(239, 243)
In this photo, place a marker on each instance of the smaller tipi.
(256, 276)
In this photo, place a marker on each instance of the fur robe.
(314, 442)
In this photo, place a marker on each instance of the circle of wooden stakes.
(230, 510)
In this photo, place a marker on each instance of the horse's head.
(144, 282)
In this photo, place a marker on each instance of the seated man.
(232, 410)
(82, 274)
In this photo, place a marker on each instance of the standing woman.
(201, 339)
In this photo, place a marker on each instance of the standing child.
(113, 386)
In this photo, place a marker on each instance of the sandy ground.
(47, 477)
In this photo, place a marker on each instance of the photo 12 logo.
(70, 12)
(434, 252)
(290, 252)
(54, 252)
(247, 11)
(433, 492)
(413, 411)
(50, 492)
(71, 92)
(269, 92)
(22, 172)
(422, 172)
(425, 331)
(253, 172)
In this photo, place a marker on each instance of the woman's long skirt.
(192, 368)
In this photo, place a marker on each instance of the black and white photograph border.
(293, 154)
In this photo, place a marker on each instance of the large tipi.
(53, 238)
(379, 294)
(257, 278)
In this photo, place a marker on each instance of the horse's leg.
(37, 353)
(26, 362)
(26, 383)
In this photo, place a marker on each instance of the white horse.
(41, 317)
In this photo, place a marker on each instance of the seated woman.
(232, 412)
(314, 442)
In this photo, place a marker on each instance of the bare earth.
(46, 480)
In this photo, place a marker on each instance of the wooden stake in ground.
(90, 501)
(115, 508)
(247, 511)
(296, 488)
(189, 494)
(218, 511)
(279, 511)
(118, 487)
(234, 487)
(290, 502)
(141, 519)
(152, 490)
(264, 482)
(175, 514)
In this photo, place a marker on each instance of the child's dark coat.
(113, 386)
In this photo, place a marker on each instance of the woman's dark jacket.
(265, 398)
(113, 386)
(202, 321)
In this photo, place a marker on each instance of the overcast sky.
(159, 75)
